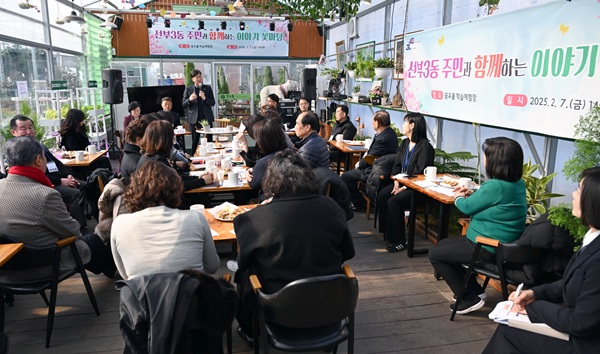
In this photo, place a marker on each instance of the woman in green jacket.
(498, 210)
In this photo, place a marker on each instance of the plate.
(355, 143)
(445, 185)
(226, 220)
(437, 179)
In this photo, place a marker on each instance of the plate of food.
(449, 183)
(354, 142)
(227, 211)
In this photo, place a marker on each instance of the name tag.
(51, 166)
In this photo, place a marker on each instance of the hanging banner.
(533, 70)
(184, 37)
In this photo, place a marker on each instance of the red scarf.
(31, 172)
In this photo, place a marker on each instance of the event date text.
(574, 103)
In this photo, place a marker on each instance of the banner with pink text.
(206, 38)
(533, 70)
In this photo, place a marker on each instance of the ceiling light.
(149, 22)
(84, 29)
(200, 25)
(60, 20)
(367, 2)
(272, 26)
(242, 26)
(290, 26)
(167, 23)
(73, 16)
(223, 25)
(108, 24)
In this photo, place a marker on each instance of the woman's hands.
(460, 191)
(243, 143)
(397, 189)
(525, 298)
(249, 175)
(208, 178)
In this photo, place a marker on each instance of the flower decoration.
(376, 92)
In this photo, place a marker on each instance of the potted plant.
(385, 99)
(351, 69)
(383, 67)
(329, 73)
(375, 95)
(536, 191)
(355, 93)
(205, 125)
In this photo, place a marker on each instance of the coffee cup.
(179, 127)
(235, 154)
(233, 178)
(235, 144)
(203, 141)
(211, 164)
(198, 207)
(339, 138)
(202, 150)
(430, 173)
(79, 156)
(368, 143)
(210, 146)
(225, 163)
(466, 182)
(91, 149)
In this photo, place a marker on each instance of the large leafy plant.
(449, 163)
(537, 191)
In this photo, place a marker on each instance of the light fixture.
(223, 25)
(59, 19)
(73, 17)
(290, 26)
(167, 23)
(148, 22)
(367, 2)
(272, 26)
(242, 26)
(200, 25)
(84, 29)
(108, 24)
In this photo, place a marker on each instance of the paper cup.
(203, 141)
(339, 138)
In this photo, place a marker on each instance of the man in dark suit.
(384, 142)
(59, 174)
(198, 99)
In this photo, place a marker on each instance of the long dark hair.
(158, 139)
(590, 195)
(419, 132)
(269, 136)
(71, 123)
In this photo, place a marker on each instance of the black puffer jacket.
(175, 312)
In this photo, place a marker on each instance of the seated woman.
(135, 110)
(270, 139)
(74, 137)
(414, 154)
(250, 155)
(304, 234)
(156, 237)
(570, 305)
(498, 210)
(157, 145)
(132, 150)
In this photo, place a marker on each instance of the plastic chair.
(309, 314)
(32, 257)
(507, 254)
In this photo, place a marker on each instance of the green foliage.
(222, 85)
(449, 163)
(536, 191)
(310, 9)
(351, 65)
(361, 137)
(25, 111)
(365, 66)
(204, 123)
(396, 130)
(187, 71)
(562, 215)
(335, 73)
(356, 89)
(587, 145)
(384, 63)
(267, 76)
(282, 76)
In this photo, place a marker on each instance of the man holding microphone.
(198, 99)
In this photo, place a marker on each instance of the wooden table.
(445, 203)
(81, 166)
(224, 228)
(8, 250)
(347, 150)
(215, 188)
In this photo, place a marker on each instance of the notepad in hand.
(501, 315)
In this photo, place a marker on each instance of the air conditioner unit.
(352, 28)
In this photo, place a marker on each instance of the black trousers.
(509, 340)
(196, 136)
(71, 197)
(351, 178)
(446, 259)
(391, 213)
(246, 302)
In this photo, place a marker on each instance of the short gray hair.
(288, 171)
(22, 151)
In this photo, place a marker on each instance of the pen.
(517, 293)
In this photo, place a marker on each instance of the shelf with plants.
(52, 106)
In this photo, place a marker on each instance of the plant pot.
(355, 96)
(24, 5)
(206, 128)
(383, 73)
(352, 73)
(376, 101)
(384, 101)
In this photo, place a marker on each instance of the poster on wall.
(206, 38)
(494, 71)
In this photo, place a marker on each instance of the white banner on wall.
(184, 37)
(534, 70)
